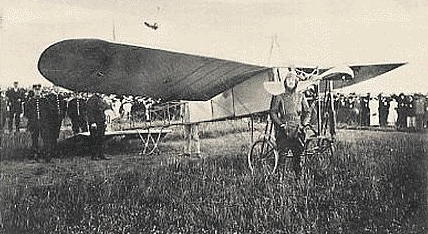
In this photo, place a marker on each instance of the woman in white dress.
(392, 116)
(374, 112)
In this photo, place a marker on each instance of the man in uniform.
(76, 110)
(15, 97)
(97, 125)
(57, 105)
(37, 112)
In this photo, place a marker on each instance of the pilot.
(97, 125)
(15, 97)
(76, 110)
(37, 112)
(290, 112)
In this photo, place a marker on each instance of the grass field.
(377, 184)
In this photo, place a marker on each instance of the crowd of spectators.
(402, 111)
(12, 106)
(45, 108)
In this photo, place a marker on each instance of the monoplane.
(209, 89)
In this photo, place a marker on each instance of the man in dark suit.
(76, 110)
(383, 109)
(97, 125)
(401, 111)
(15, 97)
(365, 110)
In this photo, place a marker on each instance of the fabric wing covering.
(94, 65)
(99, 66)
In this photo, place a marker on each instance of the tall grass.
(376, 184)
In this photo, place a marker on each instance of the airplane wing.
(99, 66)
(364, 72)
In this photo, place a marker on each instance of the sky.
(270, 33)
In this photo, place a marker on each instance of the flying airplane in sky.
(152, 26)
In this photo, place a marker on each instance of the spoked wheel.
(319, 153)
(327, 146)
(263, 157)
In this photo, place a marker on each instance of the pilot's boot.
(296, 164)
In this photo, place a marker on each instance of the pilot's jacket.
(291, 109)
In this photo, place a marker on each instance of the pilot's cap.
(292, 72)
